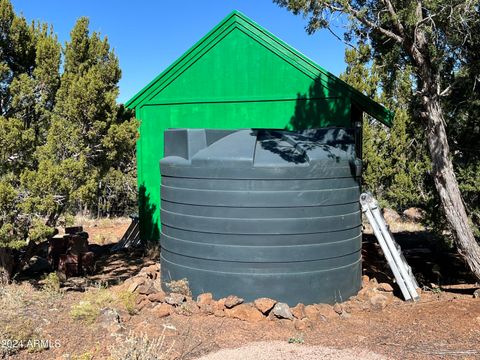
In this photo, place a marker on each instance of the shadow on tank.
(293, 146)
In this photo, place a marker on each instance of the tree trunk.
(447, 186)
(7, 264)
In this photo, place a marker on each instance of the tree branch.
(388, 4)
(356, 14)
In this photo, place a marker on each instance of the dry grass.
(141, 347)
(128, 299)
(88, 309)
(101, 222)
(17, 329)
(395, 226)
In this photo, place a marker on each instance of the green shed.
(238, 75)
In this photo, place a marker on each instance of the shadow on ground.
(431, 262)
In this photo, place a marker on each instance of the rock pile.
(146, 285)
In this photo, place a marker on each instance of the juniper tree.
(436, 40)
(65, 144)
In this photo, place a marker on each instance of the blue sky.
(148, 35)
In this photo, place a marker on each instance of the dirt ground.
(58, 324)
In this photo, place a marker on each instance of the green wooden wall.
(237, 76)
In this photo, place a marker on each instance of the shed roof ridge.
(237, 19)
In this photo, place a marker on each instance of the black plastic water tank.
(262, 213)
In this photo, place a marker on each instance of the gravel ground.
(279, 350)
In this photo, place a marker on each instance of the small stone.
(385, 287)
(476, 294)
(188, 308)
(365, 280)
(205, 298)
(232, 301)
(220, 304)
(108, 316)
(264, 304)
(146, 289)
(282, 311)
(158, 296)
(366, 293)
(207, 309)
(162, 310)
(245, 312)
(311, 312)
(135, 284)
(175, 299)
(299, 311)
(379, 301)
(151, 271)
(338, 308)
(326, 311)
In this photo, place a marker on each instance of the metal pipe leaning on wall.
(392, 251)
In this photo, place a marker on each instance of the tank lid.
(258, 147)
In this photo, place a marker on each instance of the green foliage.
(395, 160)
(51, 284)
(65, 144)
(424, 57)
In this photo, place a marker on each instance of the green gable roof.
(237, 20)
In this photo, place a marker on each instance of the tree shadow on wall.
(149, 231)
(320, 107)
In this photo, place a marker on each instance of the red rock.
(338, 308)
(365, 280)
(245, 312)
(232, 301)
(220, 304)
(326, 311)
(379, 301)
(140, 298)
(207, 309)
(146, 289)
(385, 287)
(205, 298)
(264, 304)
(162, 310)
(175, 299)
(311, 312)
(303, 324)
(299, 311)
(188, 308)
(158, 296)
(135, 283)
(143, 303)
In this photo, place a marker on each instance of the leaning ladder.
(392, 251)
